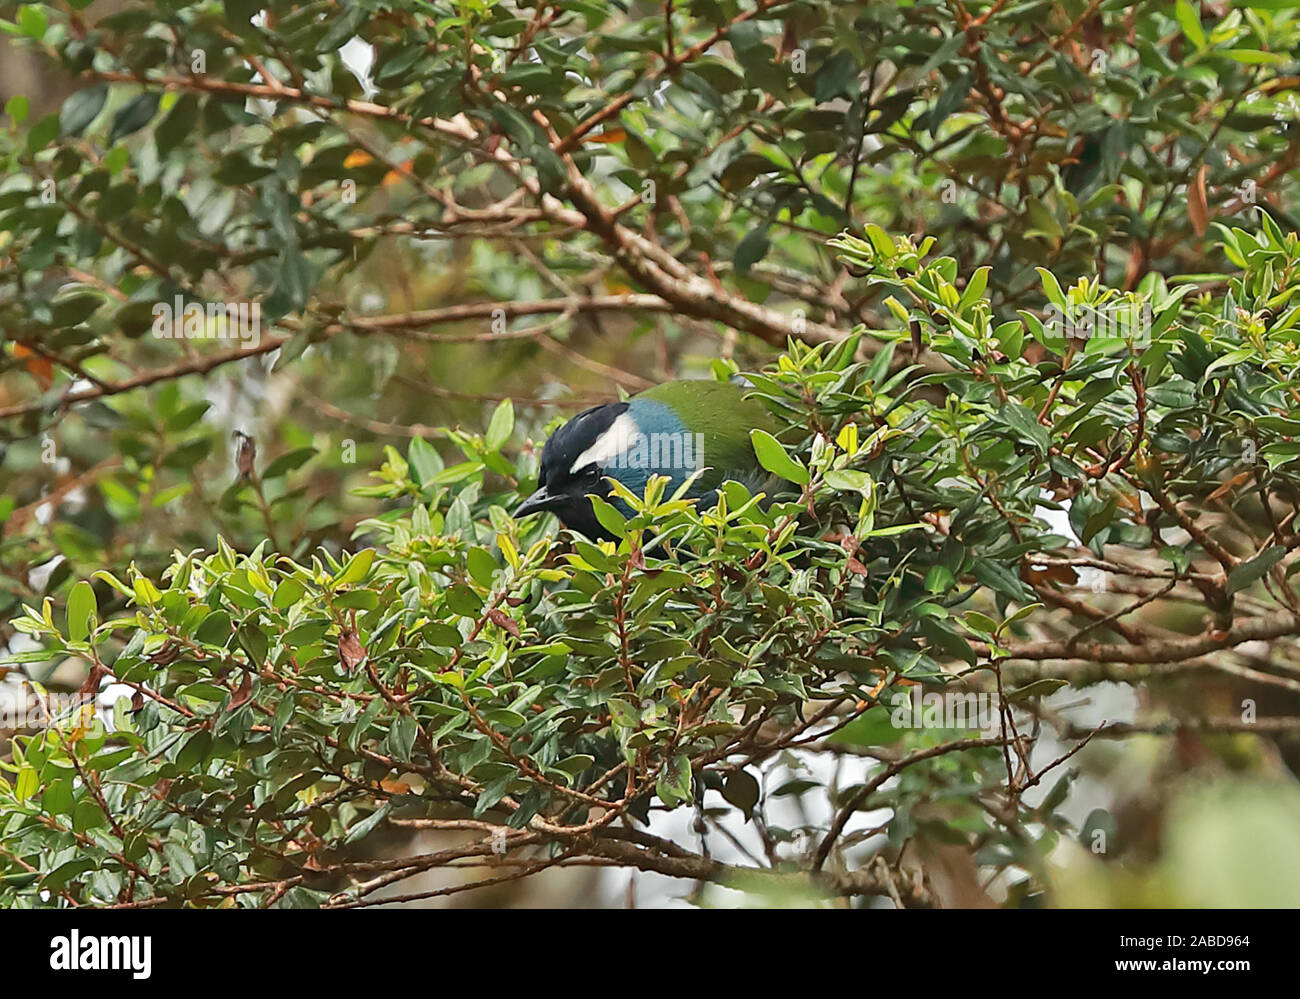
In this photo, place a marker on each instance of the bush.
(550, 696)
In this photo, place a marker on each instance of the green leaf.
(424, 460)
(1189, 19)
(17, 108)
(773, 456)
(58, 798)
(741, 789)
(27, 783)
(1051, 287)
(288, 462)
(357, 600)
(674, 787)
(1248, 572)
(32, 20)
(482, 566)
(1230, 360)
(974, 290)
(43, 133)
(80, 109)
(236, 169)
(751, 249)
(82, 609)
(362, 829)
(215, 629)
(1042, 221)
(849, 480)
(980, 623)
(464, 601)
(146, 594)
(134, 116)
(1020, 419)
(609, 517)
(195, 751)
(501, 426)
(283, 712)
(287, 593)
(1039, 688)
(1019, 615)
(88, 815)
(892, 529)
(1256, 57)
(356, 569)
(574, 765)
(401, 737)
(1099, 518)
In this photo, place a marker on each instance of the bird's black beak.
(540, 500)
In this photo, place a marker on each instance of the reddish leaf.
(503, 620)
(351, 652)
(91, 687)
(1197, 207)
(166, 655)
(40, 368)
(244, 693)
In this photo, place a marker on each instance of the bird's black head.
(572, 468)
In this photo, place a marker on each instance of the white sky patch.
(359, 58)
(615, 440)
(1058, 521)
(39, 576)
(788, 812)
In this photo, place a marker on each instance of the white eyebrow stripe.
(612, 442)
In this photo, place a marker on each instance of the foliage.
(629, 189)
(440, 207)
(470, 672)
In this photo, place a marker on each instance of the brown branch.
(1169, 650)
(201, 365)
(661, 857)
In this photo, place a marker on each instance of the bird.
(673, 429)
